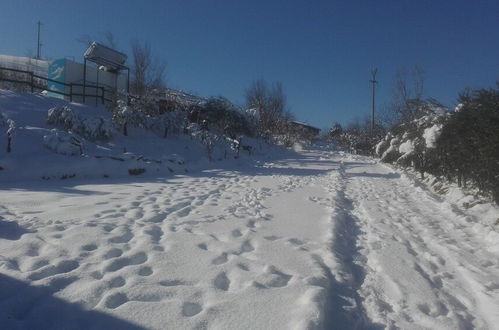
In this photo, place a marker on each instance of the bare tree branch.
(147, 73)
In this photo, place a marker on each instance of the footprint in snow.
(246, 247)
(116, 282)
(190, 309)
(295, 241)
(125, 237)
(145, 271)
(136, 259)
(221, 282)
(108, 228)
(173, 283)
(89, 247)
(272, 278)
(113, 253)
(115, 300)
(236, 233)
(62, 267)
(203, 246)
(221, 259)
(39, 264)
(243, 267)
(155, 232)
(271, 238)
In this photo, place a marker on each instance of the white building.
(67, 79)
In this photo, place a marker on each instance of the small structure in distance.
(108, 60)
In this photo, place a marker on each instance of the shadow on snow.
(24, 306)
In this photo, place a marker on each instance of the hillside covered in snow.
(52, 139)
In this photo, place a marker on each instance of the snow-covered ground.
(322, 239)
(312, 239)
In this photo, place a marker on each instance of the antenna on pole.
(374, 82)
(39, 44)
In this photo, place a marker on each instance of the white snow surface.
(406, 148)
(323, 240)
(311, 239)
(431, 135)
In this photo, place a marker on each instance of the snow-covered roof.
(299, 123)
(39, 67)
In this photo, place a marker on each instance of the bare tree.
(110, 40)
(269, 105)
(408, 96)
(276, 111)
(147, 72)
(85, 39)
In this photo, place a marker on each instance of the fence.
(29, 82)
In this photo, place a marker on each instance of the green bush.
(466, 148)
(469, 143)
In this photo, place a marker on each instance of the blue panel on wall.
(57, 72)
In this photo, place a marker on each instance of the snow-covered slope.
(43, 151)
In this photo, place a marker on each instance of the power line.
(374, 82)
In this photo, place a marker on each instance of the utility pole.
(39, 44)
(374, 82)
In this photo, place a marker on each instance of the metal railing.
(36, 82)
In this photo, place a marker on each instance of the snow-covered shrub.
(9, 127)
(10, 132)
(125, 116)
(97, 129)
(92, 128)
(162, 124)
(136, 171)
(174, 158)
(64, 117)
(469, 142)
(383, 145)
(224, 117)
(413, 144)
(65, 143)
(389, 148)
(357, 137)
(3, 120)
(207, 138)
(462, 146)
(170, 123)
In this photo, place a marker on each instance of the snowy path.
(324, 240)
(425, 267)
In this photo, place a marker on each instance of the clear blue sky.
(322, 51)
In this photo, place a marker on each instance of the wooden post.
(84, 77)
(97, 88)
(32, 82)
